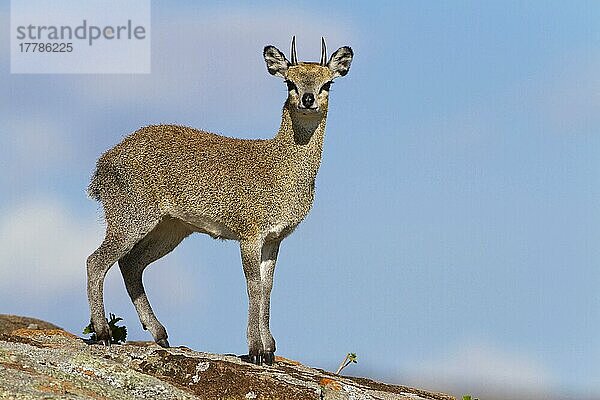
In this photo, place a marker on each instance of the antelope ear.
(277, 64)
(339, 63)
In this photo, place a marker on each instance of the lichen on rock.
(52, 363)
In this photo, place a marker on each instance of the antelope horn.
(323, 52)
(294, 56)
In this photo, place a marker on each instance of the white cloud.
(44, 246)
(43, 251)
(484, 371)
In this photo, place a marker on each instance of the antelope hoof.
(104, 342)
(163, 343)
(103, 335)
(269, 358)
(256, 359)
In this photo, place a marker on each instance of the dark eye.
(326, 86)
(291, 86)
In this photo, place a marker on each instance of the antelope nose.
(308, 99)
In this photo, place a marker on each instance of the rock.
(9, 323)
(53, 364)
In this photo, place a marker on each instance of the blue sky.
(453, 240)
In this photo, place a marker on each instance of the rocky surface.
(9, 323)
(54, 364)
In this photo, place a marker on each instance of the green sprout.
(350, 358)
(118, 333)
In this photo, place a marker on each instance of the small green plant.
(468, 397)
(350, 358)
(118, 333)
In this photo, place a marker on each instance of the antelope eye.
(291, 86)
(326, 86)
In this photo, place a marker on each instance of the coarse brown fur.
(163, 182)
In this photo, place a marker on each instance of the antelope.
(164, 182)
